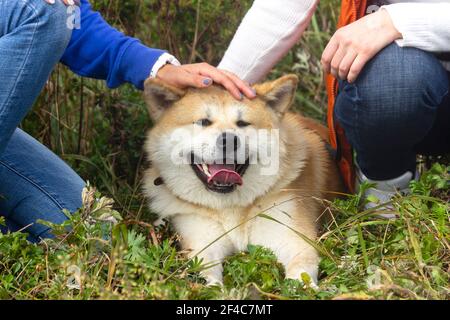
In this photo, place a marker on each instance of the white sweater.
(271, 27)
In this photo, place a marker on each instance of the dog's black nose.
(228, 141)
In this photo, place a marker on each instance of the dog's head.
(213, 150)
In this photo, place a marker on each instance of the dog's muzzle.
(225, 173)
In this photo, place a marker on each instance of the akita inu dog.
(231, 173)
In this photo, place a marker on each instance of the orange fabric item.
(351, 10)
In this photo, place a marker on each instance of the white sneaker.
(384, 190)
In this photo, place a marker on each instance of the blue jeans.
(398, 107)
(34, 182)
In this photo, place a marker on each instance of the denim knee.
(399, 88)
(51, 23)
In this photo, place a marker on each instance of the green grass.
(106, 257)
(114, 252)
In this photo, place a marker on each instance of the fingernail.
(51, 1)
(207, 81)
(253, 92)
(71, 2)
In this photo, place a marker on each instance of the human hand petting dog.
(203, 75)
(352, 46)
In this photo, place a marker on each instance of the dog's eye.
(204, 122)
(242, 124)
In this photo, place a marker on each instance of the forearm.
(267, 32)
(423, 25)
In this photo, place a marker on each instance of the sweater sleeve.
(267, 32)
(424, 26)
(97, 50)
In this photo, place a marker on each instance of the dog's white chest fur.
(231, 219)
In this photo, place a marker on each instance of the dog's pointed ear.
(159, 96)
(278, 94)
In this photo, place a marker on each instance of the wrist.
(167, 68)
(164, 60)
(388, 25)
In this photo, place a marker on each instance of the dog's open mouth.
(221, 178)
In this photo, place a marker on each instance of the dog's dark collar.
(158, 181)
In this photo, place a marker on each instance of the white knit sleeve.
(424, 26)
(267, 32)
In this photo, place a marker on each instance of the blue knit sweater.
(99, 51)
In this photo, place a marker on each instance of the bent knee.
(51, 23)
(397, 83)
(407, 75)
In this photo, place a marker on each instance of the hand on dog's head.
(278, 94)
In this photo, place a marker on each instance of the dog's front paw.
(212, 281)
(213, 276)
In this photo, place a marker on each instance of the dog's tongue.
(224, 174)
